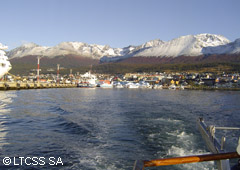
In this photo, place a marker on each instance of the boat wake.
(185, 146)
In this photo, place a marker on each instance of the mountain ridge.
(67, 48)
(189, 45)
(190, 49)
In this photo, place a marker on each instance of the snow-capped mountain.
(131, 51)
(68, 48)
(230, 48)
(93, 51)
(190, 45)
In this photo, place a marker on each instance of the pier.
(31, 85)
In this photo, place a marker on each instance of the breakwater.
(31, 85)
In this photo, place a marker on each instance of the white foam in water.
(4, 100)
(94, 158)
(168, 120)
(177, 151)
(185, 147)
(98, 163)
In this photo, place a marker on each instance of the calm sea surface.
(108, 129)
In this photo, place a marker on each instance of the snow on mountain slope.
(131, 51)
(230, 48)
(190, 45)
(27, 49)
(152, 43)
(235, 46)
(77, 48)
(66, 48)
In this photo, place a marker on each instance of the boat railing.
(212, 131)
(217, 148)
(213, 143)
(140, 165)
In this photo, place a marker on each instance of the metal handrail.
(140, 165)
(227, 128)
(216, 148)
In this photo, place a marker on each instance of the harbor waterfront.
(108, 129)
(27, 86)
(173, 81)
(32, 85)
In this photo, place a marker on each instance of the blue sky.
(117, 23)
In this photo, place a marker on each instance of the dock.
(31, 85)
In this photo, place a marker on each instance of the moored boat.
(105, 84)
(172, 87)
(118, 85)
(88, 80)
(85, 85)
(132, 85)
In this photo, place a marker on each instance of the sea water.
(108, 129)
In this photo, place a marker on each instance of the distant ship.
(5, 65)
(88, 80)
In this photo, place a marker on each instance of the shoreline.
(212, 88)
(25, 86)
(4, 86)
